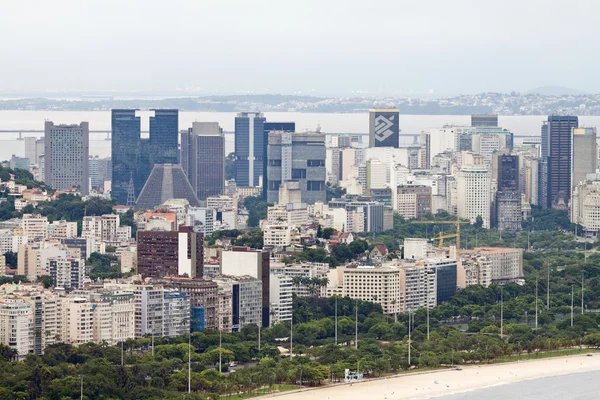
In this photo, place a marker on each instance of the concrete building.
(303, 270)
(277, 235)
(106, 228)
(66, 156)
(584, 156)
(16, 320)
(484, 120)
(380, 285)
(204, 300)
(293, 215)
(246, 300)
(585, 206)
(113, 318)
(242, 261)
(170, 253)
(161, 312)
(100, 171)
(204, 219)
(384, 127)
(415, 248)
(413, 201)
(202, 157)
(297, 157)
(66, 273)
(166, 182)
(493, 265)
(62, 229)
(9, 241)
(281, 290)
(35, 227)
(372, 213)
(473, 194)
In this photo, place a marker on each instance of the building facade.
(66, 156)
(473, 194)
(162, 253)
(556, 149)
(297, 157)
(249, 148)
(203, 158)
(384, 127)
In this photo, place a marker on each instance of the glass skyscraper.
(164, 131)
(126, 131)
(556, 150)
(249, 148)
(134, 157)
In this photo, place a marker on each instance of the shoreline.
(438, 383)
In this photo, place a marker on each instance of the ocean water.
(333, 123)
(583, 386)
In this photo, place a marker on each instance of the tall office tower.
(100, 170)
(426, 148)
(584, 154)
(508, 196)
(164, 139)
(484, 120)
(126, 131)
(31, 149)
(249, 148)
(170, 253)
(556, 148)
(67, 149)
(203, 158)
(473, 193)
(297, 157)
(269, 127)
(384, 127)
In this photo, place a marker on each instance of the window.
(275, 163)
(274, 185)
(315, 163)
(315, 186)
(298, 173)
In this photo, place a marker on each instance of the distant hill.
(555, 91)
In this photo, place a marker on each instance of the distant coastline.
(513, 104)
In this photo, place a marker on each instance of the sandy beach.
(428, 385)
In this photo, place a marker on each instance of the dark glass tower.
(249, 148)
(556, 148)
(272, 126)
(126, 130)
(164, 131)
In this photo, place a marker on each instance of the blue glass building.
(249, 148)
(164, 135)
(126, 131)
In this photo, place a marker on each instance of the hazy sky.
(326, 47)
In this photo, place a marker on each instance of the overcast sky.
(325, 47)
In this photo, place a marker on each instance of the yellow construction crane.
(441, 237)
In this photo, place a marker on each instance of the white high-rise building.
(473, 193)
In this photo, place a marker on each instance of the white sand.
(422, 385)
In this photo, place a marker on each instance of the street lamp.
(81, 379)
